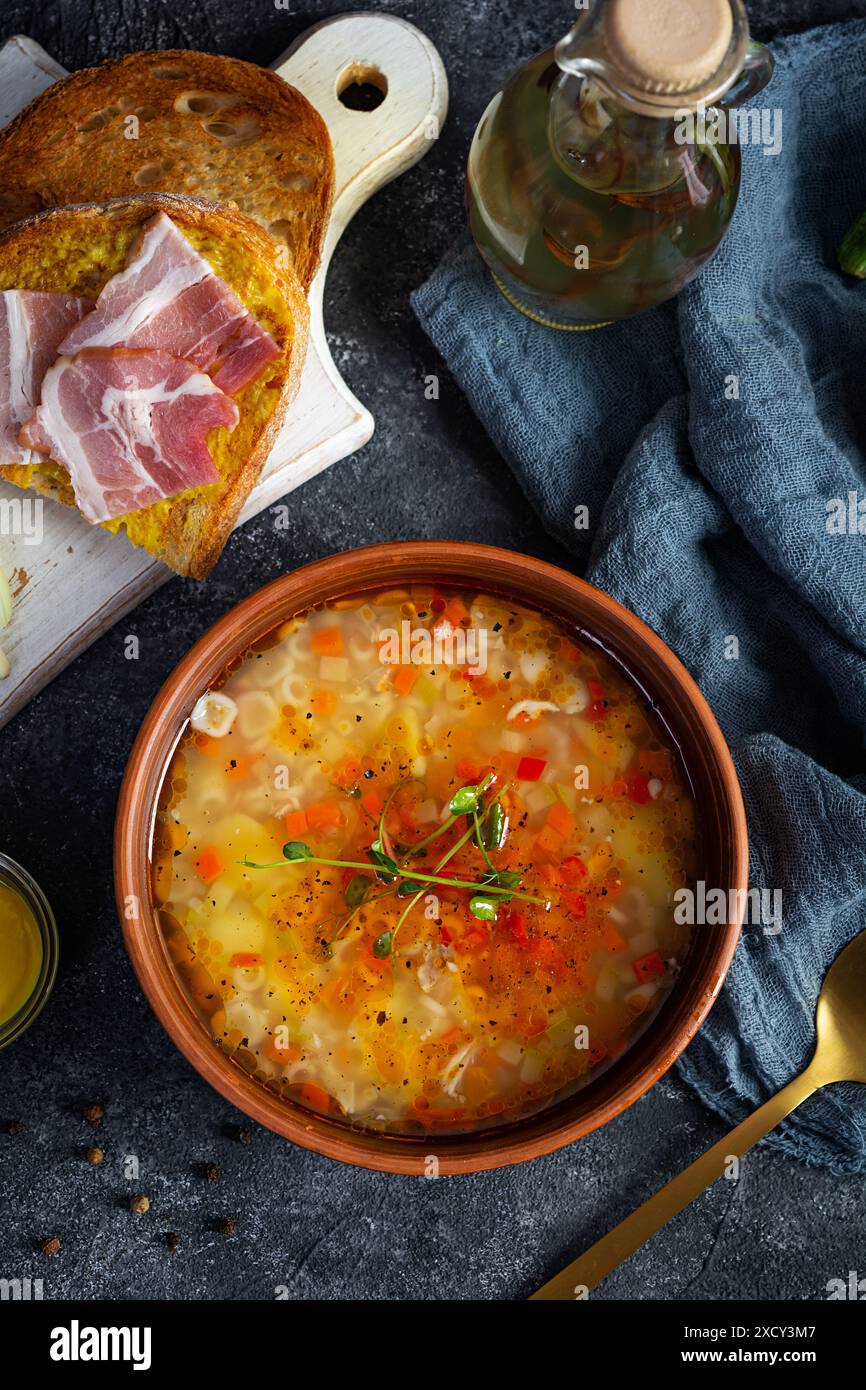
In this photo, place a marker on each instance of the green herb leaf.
(495, 826)
(378, 855)
(356, 890)
(296, 849)
(482, 908)
(464, 801)
(408, 889)
(382, 945)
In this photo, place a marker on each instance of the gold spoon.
(840, 1055)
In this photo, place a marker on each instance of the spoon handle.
(609, 1252)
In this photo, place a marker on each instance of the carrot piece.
(209, 865)
(315, 1096)
(237, 768)
(560, 820)
(548, 840)
(575, 903)
(649, 967)
(404, 678)
(323, 701)
(456, 612)
(296, 823)
(328, 641)
(573, 870)
(325, 815)
(242, 958)
(568, 651)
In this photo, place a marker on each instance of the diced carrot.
(568, 651)
(372, 803)
(452, 1035)
(237, 768)
(209, 865)
(245, 958)
(296, 823)
(315, 1096)
(596, 711)
(328, 641)
(548, 840)
(649, 967)
(323, 701)
(575, 903)
(467, 771)
(456, 612)
(597, 1054)
(325, 815)
(404, 678)
(560, 820)
(595, 688)
(573, 869)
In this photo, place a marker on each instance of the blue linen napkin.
(708, 518)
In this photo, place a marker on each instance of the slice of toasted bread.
(75, 251)
(176, 122)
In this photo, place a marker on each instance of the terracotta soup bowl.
(596, 618)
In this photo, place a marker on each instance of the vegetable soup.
(415, 859)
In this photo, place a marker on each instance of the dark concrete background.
(314, 1226)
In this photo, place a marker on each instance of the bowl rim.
(375, 567)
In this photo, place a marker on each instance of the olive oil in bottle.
(592, 194)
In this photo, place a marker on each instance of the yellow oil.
(20, 952)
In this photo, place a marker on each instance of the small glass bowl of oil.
(29, 950)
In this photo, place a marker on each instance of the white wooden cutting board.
(78, 580)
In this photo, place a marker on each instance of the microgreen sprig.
(487, 827)
(296, 852)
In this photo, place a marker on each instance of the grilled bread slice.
(76, 250)
(176, 122)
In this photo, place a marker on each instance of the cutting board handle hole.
(361, 87)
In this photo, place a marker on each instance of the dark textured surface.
(305, 1223)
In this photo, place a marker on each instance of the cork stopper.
(668, 45)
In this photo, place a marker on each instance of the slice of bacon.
(130, 426)
(168, 297)
(32, 324)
